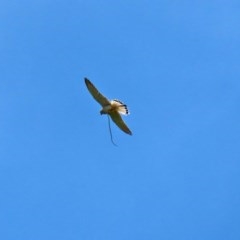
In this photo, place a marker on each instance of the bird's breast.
(106, 109)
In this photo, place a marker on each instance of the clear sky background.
(175, 64)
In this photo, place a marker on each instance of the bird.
(114, 108)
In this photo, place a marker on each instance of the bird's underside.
(111, 107)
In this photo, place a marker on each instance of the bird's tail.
(121, 107)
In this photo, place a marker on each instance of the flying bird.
(111, 107)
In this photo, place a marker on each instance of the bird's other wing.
(96, 94)
(116, 117)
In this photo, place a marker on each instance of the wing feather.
(96, 94)
(116, 117)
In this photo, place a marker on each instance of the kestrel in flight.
(111, 107)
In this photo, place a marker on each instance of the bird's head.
(102, 112)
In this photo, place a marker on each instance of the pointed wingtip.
(128, 131)
(87, 82)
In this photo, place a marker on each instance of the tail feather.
(122, 108)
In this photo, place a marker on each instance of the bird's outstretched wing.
(116, 117)
(96, 94)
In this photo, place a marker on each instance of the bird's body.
(115, 105)
(111, 107)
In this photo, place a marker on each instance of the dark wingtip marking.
(86, 80)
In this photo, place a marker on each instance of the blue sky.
(175, 64)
